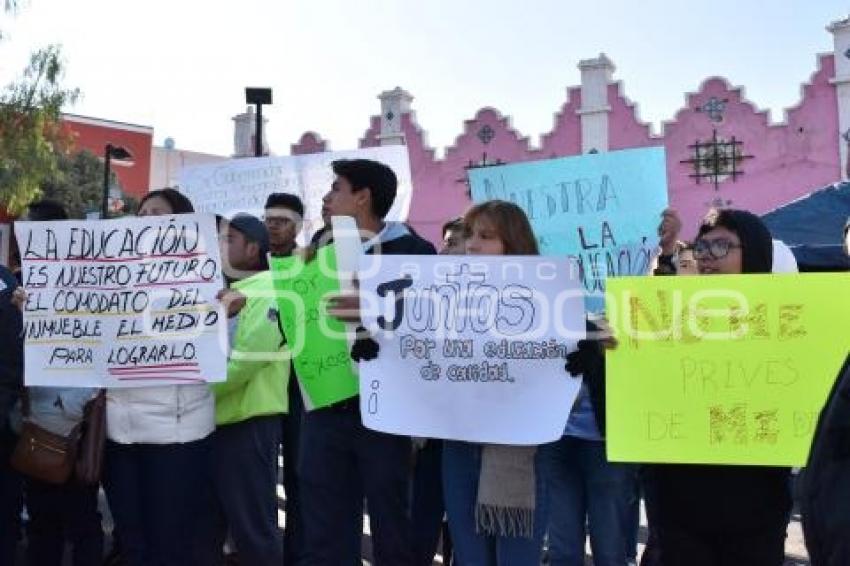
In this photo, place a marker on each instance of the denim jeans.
(161, 500)
(587, 493)
(461, 470)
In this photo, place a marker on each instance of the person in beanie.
(250, 402)
(710, 515)
(728, 515)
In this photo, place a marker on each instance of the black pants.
(60, 514)
(161, 500)
(293, 536)
(244, 468)
(341, 462)
(682, 547)
(427, 502)
(10, 498)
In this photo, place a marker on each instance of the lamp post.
(258, 97)
(110, 152)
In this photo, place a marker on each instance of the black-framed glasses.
(715, 249)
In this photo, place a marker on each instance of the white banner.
(472, 348)
(128, 302)
(243, 185)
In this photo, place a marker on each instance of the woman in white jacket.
(156, 465)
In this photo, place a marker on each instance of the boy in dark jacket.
(342, 461)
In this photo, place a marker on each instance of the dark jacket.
(717, 499)
(397, 239)
(408, 243)
(11, 346)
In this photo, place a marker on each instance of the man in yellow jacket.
(249, 404)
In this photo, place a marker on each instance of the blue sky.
(181, 65)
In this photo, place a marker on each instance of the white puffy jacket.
(160, 415)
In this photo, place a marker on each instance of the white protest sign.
(472, 348)
(243, 185)
(128, 302)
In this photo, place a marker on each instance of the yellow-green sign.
(722, 369)
(316, 340)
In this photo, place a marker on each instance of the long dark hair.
(756, 242)
(178, 202)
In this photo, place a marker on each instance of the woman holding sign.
(709, 515)
(64, 514)
(733, 515)
(495, 496)
(157, 462)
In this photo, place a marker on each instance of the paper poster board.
(471, 348)
(602, 209)
(722, 369)
(128, 302)
(243, 185)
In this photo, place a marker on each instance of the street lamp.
(110, 152)
(258, 97)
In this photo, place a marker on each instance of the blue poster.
(603, 209)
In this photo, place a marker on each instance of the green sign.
(722, 369)
(317, 341)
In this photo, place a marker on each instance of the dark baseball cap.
(252, 228)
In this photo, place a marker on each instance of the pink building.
(721, 149)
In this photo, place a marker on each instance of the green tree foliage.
(78, 183)
(31, 136)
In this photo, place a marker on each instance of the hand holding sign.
(19, 297)
(668, 231)
(233, 301)
(345, 307)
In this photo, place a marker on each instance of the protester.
(427, 508)
(156, 468)
(735, 515)
(67, 513)
(683, 262)
(588, 494)
(453, 237)
(341, 460)
(823, 487)
(11, 381)
(495, 495)
(249, 404)
(284, 216)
